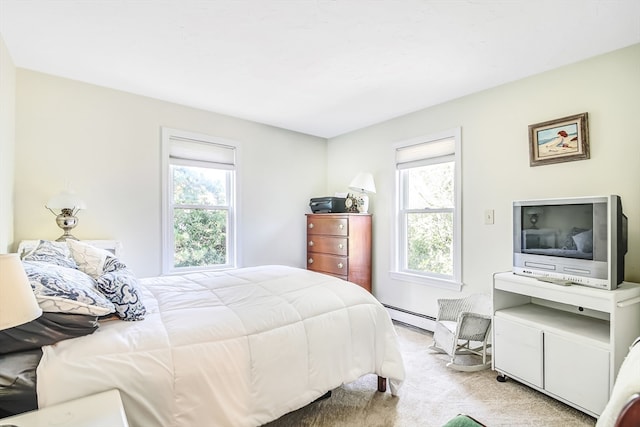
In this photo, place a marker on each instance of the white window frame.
(172, 136)
(398, 271)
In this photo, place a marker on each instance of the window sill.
(427, 281)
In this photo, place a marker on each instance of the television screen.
(565, 230)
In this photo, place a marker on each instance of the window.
(427, 227)
(198, 202)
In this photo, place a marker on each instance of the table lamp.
(18, 304)
(65, 205)
(534, 214)
(363, 182)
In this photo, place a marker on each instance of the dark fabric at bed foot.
(18, 382)
(46, 330)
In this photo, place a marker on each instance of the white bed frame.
(113, 246)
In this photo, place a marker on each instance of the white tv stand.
(565, 341)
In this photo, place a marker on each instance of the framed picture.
(561, 140)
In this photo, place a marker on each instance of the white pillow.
(584, 241)
(90, 259)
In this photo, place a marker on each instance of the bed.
(623, 408)
(235, 348)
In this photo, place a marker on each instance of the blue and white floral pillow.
(56, 253)
(112, 263)
(94, 261)
(121, 288)
(113, 279)
(66, 290)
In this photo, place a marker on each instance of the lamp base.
(67, 221)
(66, 236)
(363, 205)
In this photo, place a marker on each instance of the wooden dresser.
(340, 245)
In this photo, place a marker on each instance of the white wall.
(7, 145)
(495, 164)
(106, 143)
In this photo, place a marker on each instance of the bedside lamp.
(18, 304)
(363, 182)
(68, 204)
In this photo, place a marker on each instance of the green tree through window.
(429, 218)
(200, 216)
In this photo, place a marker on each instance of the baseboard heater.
(421, 321)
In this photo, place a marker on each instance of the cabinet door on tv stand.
(576, 371)
(518, 351)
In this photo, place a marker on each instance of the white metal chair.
(460, 324)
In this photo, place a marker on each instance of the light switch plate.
(488, 216)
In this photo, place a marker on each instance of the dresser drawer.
(339, 244)
(327, 226)
(328, 244)
(332, 264)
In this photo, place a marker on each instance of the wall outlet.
(488, 216)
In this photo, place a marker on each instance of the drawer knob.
(310, 242)
(310, 261)
(341, 226)
(340, 265)
(340, 246)
(311, 225)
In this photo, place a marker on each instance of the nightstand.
(98, 410)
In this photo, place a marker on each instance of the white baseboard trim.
(414, 319)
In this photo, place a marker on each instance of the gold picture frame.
(560, 140)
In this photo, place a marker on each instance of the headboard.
(114, 246)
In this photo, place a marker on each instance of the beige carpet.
(431, 395)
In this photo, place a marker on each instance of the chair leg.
(465, 349)
(434, 347)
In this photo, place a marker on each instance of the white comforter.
(239, 348)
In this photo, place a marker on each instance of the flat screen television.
(582, 240)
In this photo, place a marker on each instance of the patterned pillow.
(121, 288)
(112, 264)
(90, 259)
(56, 253)
(66, 290)
(94, 261)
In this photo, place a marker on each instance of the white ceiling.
(322, 67)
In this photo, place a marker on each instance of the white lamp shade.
(66, 199)
(18, 304)
(363, 182)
